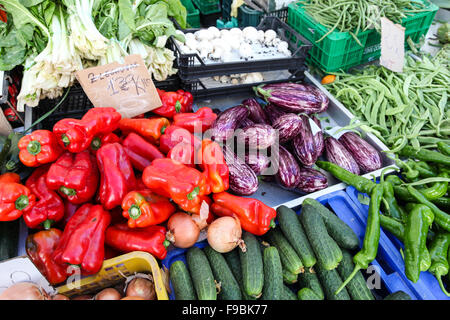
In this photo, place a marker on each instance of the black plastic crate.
(200, 91)
(299, 46)
(77, 104)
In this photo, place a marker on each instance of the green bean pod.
(425, 155)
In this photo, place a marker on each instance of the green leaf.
(31, 3)
(127, 13)
(21, 15)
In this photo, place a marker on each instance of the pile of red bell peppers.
(105, 185)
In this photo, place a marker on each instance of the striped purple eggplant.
(227, 121)
(257, 114)
(257, 161)
(245, 123)
(319, 144)
(288, 174)
(294, 98)
(303, 144)
(273, 112)
(243, 180)
(288, 125)
(257, 136)
(311, 180)
(337, 154)
(367, 157)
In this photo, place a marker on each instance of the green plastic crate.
(207, 7)
(339, 51)
(193, 15)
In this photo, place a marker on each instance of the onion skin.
(60, 297)
(183, 231)
(142, 288)
(224, 234)
(108, 294)
(24, 291)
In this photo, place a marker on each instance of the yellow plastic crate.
(113, 271)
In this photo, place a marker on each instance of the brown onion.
(60, 297)
(141, 287)
(24, 291)
(183, 231)
(201, 218)
(224, 234)
(108, 294)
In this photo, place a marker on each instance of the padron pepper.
(174, 102)
(172, 179)
(200, 121)
(214, 166)
(439, 263)
(150, 129)
(49, 207)
(75, 176)
(40, 247)
(39, 147)
(116, 175)
(416, 255)
(371, 240)
(151, 239)
(77, 135)
(255, 217)
(14, 199)
(144, 208)
(82, 242)
(140, 151)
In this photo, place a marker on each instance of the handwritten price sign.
(392, 45)
(128, 87)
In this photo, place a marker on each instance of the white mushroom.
(257, 77)
(236, 32)
(224, 79)
(245, 50)
(216, 78)
(276, 41)
(227, 57)
(233, 42)
(204, 35)
(269, 35)
(260, 35)
(192, 44)
(282, 46)
(250, 34)
(234, 81)
(189, 35)
(224, 32)
(205, 48)
(214, 32)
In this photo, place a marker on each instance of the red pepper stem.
(96, 143)
(22, 202)
(134, 212)
(194, 193)
(272, 223)
(34, 147)
(166, 243)
(47, 224)
(68, 191)
(65, 139)
(163, 129)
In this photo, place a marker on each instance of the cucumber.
(309, 279)
(344, 236)
(330, 282)
(287, 294)
(326, 250)
(293, 231)
(9, 238)
(307, 294)
(201, 273)
(229, 287)
(183, 287)
(252, 266)
(273, 276)
(289, 258)
(289, 277)
(234, 262)
(357, 287)
(398, 295)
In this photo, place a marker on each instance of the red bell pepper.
(10, 115)
(150, 129)
(69, 210)
(143, 208)
(3, 16)
(214, 166)
(82, 242)
(99, 141)
(76, 135)
(140, 152)
(40, 247)
(174, 102)
(175, 135)
(38, 148)
(75, 176)
(117, 175)
(255, 217)
(150, 239)
(172, 179)
(14, 199)
(184, 153)
(199, 121)
(49, 207)
(9, 177)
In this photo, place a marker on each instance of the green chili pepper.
(361, 184)
(371, 240)
(425, 170)
(439, 263)
(418, 222)
(425, 155)
(437, 190)
(440, 217)
(394, 180)
(443, 202)
(444, 148)
(392, 209)
(394, 226)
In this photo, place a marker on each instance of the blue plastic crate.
(427, 287)
(341, 203)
